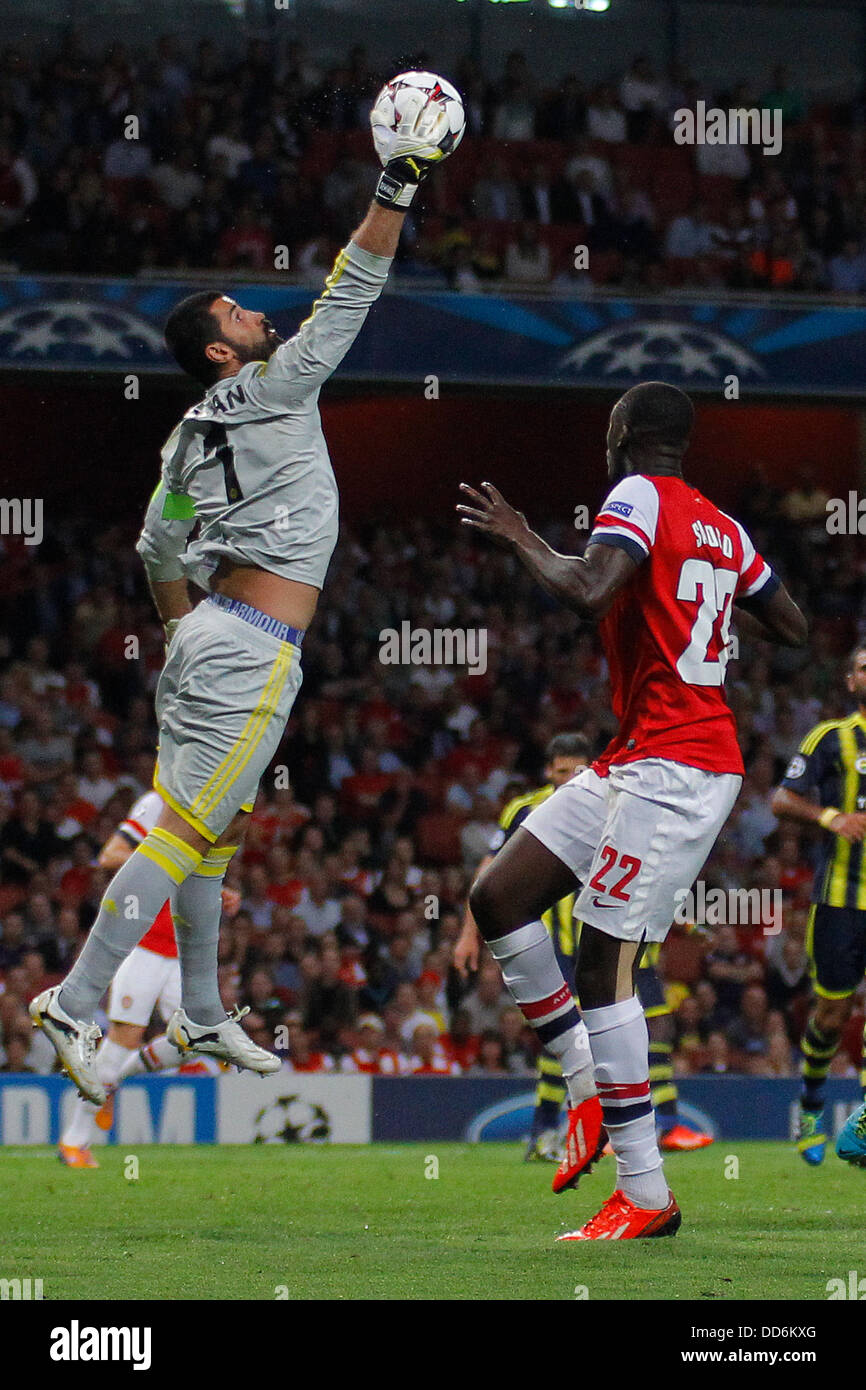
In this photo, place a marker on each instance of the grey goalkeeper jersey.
(250, 463)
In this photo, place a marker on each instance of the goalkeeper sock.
(132, 900)
(197, 913)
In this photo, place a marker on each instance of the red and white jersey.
(142, 817)
(666, 635)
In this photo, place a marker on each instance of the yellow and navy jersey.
(831, 764)
(558, 919)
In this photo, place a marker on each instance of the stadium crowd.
(116, 162)
(386, 790)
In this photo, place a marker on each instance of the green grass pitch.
(304, 1222)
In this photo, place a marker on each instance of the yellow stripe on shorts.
(242, 749)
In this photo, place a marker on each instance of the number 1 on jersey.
(216, 442)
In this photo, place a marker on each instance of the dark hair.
(188, 329)
(852, 657)
(567, 746)
(657, 413)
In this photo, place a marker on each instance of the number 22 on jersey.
(716, 588)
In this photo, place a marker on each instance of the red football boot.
(620, 1219)
(681, 1139)
(584, 1142)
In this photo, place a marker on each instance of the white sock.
(110, 1058)
(157, 1055)
(579, 1074)
(619, 1040)
(536, 984)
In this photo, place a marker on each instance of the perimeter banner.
(322, 1108)
(773, 349)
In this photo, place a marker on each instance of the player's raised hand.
(491, 514)
(417, 120)
(852, 827)
(467, 950)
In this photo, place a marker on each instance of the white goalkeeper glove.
(412, 149)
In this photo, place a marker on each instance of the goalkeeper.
(249, 463)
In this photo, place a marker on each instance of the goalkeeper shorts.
(226, 691)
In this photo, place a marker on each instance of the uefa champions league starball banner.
(321, 1108)
(784, 347)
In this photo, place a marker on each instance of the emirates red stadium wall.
(80, 445)
(329, 1108)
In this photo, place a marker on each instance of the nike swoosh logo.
(596, 903)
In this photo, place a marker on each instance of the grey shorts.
(223, 699)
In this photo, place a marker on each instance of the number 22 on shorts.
(611, 859)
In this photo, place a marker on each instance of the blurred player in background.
(250, 465)
(662, 571)
(566, 755)
(825, 785)
(147, 981)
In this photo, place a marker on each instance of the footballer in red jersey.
(663, 569)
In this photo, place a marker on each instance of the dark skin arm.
(587, 586)
(850, 825)
(777, 619)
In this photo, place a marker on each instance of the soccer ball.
(403, 98)
(292, 1120)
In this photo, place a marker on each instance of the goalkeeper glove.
(413, 149)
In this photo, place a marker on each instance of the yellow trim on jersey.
(330, 281)
(234, 762)
(814, 736)
(836, 877)
(517, 803)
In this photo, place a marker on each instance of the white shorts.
(636, 839)
(144, 982)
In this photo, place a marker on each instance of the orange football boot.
(104, 1116)
(584, 1143)
(76, 1158)
(620, 1219)
(681, 1138)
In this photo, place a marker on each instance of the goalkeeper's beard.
(262, 350)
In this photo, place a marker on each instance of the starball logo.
(77, 1343)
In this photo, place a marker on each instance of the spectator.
(605, 118)
(484, 1004)
(495, 195)
(527, 258)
